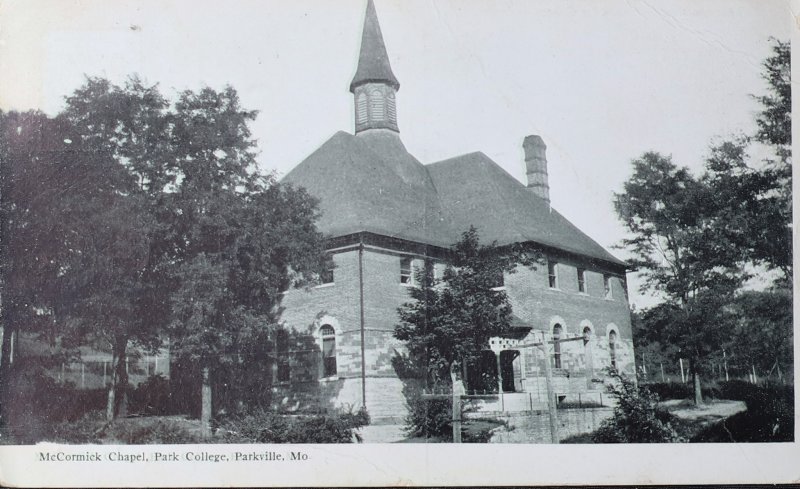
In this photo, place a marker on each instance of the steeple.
(374, 86)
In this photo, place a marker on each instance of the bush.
(158, 431)
(636, 418)
(430, 417)
(677, 390)
(152, 397)
(268, 427)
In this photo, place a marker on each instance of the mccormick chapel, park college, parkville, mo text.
(386, 214)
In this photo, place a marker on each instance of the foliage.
(430, 417)
(775, 119)
(769, 416)
(450, 320)
(152, 397)
(637, 418)
(762, 335)
(159, 431)
(263, 426)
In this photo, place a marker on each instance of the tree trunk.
(117, 401)
(205, 404)
(5, 358)
(698, 390)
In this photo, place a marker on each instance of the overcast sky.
(600, 81)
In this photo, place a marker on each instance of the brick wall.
(533, 301)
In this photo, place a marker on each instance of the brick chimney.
(536, 166)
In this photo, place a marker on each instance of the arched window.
(587, 335)
(612, 347)
(361, 108)
(557, 345)
(328, 350)
(376, 110)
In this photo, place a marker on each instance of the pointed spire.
(373, 62)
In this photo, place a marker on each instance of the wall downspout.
(361, 300)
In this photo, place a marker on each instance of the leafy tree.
(238, 239)
(449, 321)
(683, 249)
(775, 119)
(761, 335)
(115, 278)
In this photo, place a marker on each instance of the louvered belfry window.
(361, 108)
(377, 106)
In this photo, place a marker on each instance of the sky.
(600, 81)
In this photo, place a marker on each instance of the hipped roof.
(370, 183)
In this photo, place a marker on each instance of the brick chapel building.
(385, 213)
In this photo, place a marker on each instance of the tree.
(682, 248)
(115, 277)
(761, 334)
(449, 321)
(238, 239)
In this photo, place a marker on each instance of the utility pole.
(551, 394)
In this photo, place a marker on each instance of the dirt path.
(705, 414)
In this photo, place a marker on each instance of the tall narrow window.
(328, 350)
(552, 274)
(361, 108)
(607, 286)
(406, 275)
(612, 348)
(582, 280)
(557, 345)
(376, 112)
(282, 353)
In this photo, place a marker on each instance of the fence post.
(83, 375)
(662, 372)
(683, 377)
(104, 373)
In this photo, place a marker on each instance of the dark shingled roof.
(369, 182)
(373, 62)
(474, 190)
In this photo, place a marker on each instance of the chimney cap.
(534, 140)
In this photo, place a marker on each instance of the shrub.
(268, 427)
(636, 418)
(158, 431)
(430, 417)
(677, 390)
(151, 397)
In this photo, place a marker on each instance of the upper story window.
(552, 274)
(607, 287)
(377, 105)
(582, 280)
(326, 275)
(406, 271)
